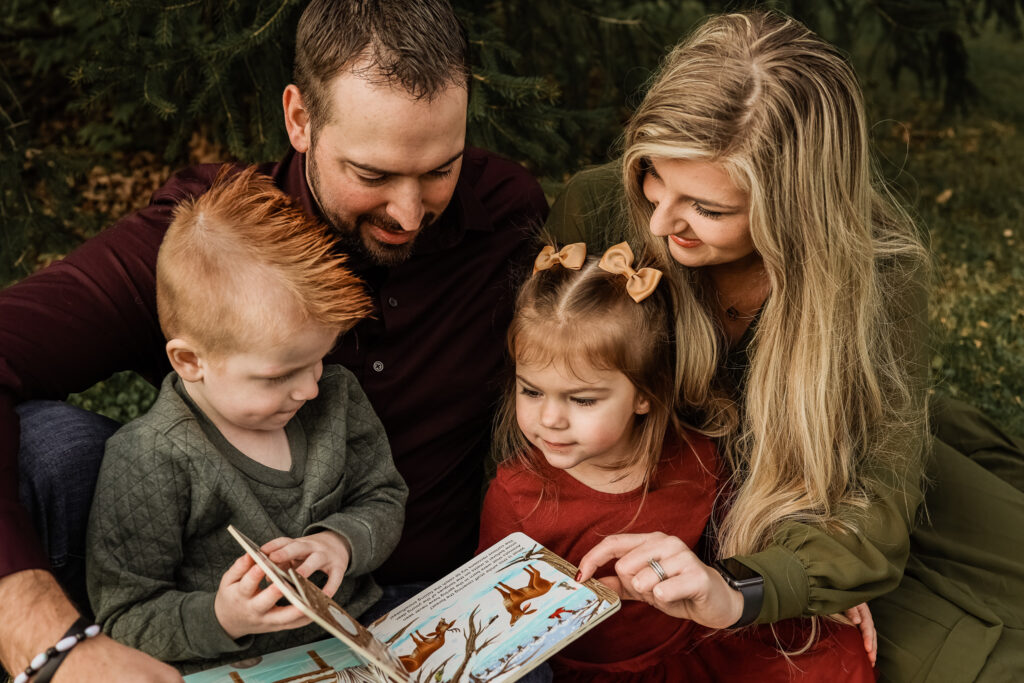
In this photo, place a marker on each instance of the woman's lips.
(686, 243)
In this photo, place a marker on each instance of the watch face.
(741, 574)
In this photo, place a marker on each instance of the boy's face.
(263, 387)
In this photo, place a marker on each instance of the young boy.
(250, 429)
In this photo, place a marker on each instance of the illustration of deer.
(426, 645)
(515, 598)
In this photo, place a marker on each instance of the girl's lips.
(556, 446)
(683, 242)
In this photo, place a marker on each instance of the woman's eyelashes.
(706, 213)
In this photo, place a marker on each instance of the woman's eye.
(713, 215)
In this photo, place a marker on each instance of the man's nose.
(406, 206)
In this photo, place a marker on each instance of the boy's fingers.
(276, 544)
(289, 552)
(237, 570)
(333, 583)
(250, 581)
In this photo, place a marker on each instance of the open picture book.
(493, 619)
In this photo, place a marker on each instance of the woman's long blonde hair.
(834, 402)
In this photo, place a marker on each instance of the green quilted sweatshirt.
(169, 486)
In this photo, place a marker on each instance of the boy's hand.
(326, 551)
(242, 608)
(861, 617)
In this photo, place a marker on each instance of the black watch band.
(749, 583)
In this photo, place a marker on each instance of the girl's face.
(578, 420)
(699, 210)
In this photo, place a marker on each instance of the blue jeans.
(58, 462)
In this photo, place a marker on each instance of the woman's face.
(699, 210)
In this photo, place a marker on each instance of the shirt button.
(378, 366)
(392, 302)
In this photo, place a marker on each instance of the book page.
(496, 617)
(326, 661)
(313, 603)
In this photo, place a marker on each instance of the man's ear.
(642, 406)
(296, 118)
(185, 359)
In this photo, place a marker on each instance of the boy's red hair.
(243, 259)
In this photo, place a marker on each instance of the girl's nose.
(552, 415)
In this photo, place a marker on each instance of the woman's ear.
(185, 359)
(642, 405)
(296, 118)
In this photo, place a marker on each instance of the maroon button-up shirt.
(431, 361)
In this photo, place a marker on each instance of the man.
(377, 119)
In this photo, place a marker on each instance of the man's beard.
(351, 236)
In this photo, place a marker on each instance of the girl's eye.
(713, 215)
(530, 393)
(279, 380)
(584, 401)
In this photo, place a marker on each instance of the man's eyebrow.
(380, 171)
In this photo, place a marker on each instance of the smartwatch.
(749, 583)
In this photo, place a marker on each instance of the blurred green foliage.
(84, 82)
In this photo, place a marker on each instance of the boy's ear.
(185, 359)
(296, 118)
(643, 405)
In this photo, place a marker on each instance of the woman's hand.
(691, 590)
(861, 617)
(242, 607)
(326, 551)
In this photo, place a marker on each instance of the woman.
(801, 328)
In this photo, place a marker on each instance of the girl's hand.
(861, 616)
(326, 551)
(692, 590)
(242, 608)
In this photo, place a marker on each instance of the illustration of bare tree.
(473, 632)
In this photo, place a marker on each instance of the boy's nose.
(307, 388)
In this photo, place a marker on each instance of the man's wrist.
(36, 614)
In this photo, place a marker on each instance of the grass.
(961, 176)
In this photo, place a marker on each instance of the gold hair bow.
(571, 256)
(639, 283)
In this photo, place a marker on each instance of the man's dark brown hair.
(418, 44)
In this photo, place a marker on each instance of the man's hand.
(326, 551)
(692, 590)
(101, 659)
(36, 615)
(243, 608)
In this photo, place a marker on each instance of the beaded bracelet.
(46, 663)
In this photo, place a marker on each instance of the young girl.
(590, 445)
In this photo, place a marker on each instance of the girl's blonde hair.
(585, 319)
(833, 400)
